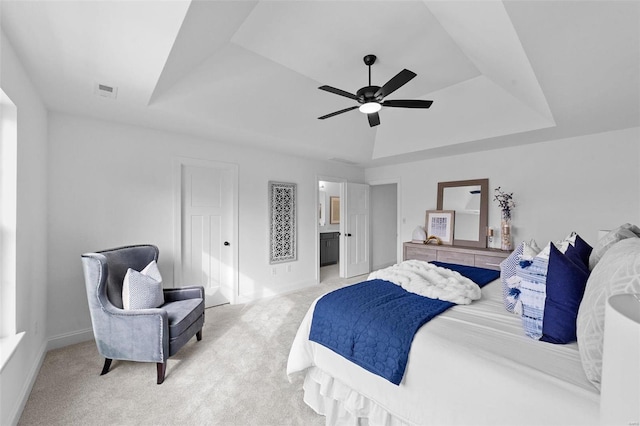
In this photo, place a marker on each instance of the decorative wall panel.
(282, 233)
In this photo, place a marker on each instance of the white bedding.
(429, 280)
(471, 365)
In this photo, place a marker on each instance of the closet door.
(207, 241)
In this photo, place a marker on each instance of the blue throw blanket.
(373, 323)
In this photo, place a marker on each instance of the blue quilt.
(373, 323)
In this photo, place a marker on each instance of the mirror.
(470, 200)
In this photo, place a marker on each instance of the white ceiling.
(247, 72)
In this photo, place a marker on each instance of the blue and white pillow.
(559, 283)
(142, 290)
(510, 281)
(533, 281)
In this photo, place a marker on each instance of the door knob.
(226, 243)
(348, 235)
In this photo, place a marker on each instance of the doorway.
(329, 228)
(383, 224)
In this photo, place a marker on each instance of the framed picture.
(439, 223)
(334, 210)
(282, 226)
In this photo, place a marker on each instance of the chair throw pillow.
(143, 290)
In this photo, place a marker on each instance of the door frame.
(178, 163)
(340, 181)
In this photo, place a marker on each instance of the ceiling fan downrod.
(368, 61)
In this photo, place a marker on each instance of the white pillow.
(142, 290)
(617, 272)
(620, 233)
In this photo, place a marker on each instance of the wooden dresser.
(480, 257)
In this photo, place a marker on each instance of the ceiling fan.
(371, 97)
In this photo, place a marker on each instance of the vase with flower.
(506, 203)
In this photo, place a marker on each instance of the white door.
(356, 229)
(207, 230)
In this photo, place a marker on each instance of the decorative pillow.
(142, 290)
(510, 281)
(617, 272)
(620, 233)
(565, 286)
(530, 250)
(579, 253)
(533, 283)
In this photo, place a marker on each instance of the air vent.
(105, 90)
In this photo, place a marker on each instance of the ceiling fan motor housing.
(368, 94)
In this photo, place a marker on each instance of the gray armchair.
(144, 335)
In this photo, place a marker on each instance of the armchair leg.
(199, 335)
(162, 368)
(107, 365)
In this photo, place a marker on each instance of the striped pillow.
(510, 281)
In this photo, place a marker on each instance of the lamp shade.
(620, 391)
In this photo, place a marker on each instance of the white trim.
(286, 290)
(177, 223)
(8, 346)
(70, 338)
(16, 412)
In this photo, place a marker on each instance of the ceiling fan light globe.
(370, 107)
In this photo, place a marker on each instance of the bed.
(472, 364)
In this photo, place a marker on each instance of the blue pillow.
(565, 286)
(580, 250)
(572, 253)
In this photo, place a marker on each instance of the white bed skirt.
(342, 405)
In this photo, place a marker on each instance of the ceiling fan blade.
(374, 119)
(338, 92)
(395, 83)
(407, 103)
(337, 112)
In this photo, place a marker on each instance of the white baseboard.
(28, 385)
(246, 298)
(384, 265)
(71, 338)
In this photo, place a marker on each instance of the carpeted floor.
(235, 376)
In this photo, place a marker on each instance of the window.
(8, 186)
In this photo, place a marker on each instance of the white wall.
(19, 373)
(580, 184)
(112, 185)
